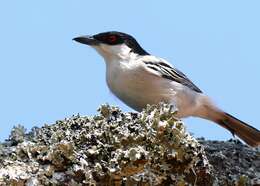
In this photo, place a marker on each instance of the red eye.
(112, 38)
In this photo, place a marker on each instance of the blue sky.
(45, 76)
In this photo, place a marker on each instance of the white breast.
(131, 83)
(128, 78)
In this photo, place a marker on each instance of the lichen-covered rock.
(234, 163)
(112, 148)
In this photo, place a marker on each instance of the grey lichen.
(234, 163)
(112, 148)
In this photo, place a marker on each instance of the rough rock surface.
(234, 163)
(115, 148)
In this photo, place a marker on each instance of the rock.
(116, 148)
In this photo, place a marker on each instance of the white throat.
(115, 52)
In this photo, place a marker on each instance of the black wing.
(173, 74)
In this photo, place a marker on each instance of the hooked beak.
(88, 40)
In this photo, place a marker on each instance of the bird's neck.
(120, 58)
(117, 53)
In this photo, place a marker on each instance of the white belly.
(137, 89)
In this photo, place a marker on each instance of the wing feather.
(167, 71)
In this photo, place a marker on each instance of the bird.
(138, 78)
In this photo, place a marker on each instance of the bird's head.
(113, 44)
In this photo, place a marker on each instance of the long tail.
(237, 127)
(244, 131)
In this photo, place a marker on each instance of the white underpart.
(131, 81)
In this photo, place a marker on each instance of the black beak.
(88, 40)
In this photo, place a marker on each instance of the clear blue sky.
(45, 76)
